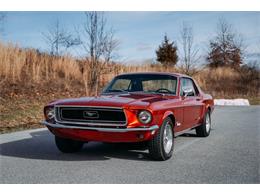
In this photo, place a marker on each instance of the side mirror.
(187, 92)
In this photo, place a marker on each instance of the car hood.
(115, 100)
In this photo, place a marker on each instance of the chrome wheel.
(208, 125)
(167, 138)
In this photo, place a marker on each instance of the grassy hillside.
(29, 79)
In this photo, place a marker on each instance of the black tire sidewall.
(201, 130)
(68, 145)
(205, 124)
(166, 155)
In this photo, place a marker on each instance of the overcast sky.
(139, 33)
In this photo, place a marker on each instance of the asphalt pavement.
(231, 154)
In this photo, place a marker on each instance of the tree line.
(225, 49)
(97, 39)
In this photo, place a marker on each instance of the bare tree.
(227, 47)
(99, 43)
(190, 51)
(59, 39)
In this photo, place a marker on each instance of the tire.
(68, 145)
(204, 129)
(158, 148)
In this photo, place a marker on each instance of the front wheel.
(161, 145)
(68, 145)
(204, 129)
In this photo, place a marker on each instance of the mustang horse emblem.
(90, 114)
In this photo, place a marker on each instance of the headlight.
(145, 117)
(49, 113)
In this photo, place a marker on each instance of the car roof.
(156, 73)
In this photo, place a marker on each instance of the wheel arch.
(209, 108)
(169, 114)
(209, 105)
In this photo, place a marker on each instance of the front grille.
(90, 115)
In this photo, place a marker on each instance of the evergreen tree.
(167, 53)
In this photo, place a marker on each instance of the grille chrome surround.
(90, 122)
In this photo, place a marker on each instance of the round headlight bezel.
(141, 117)
(49, 113)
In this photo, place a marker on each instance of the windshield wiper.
(159, 93)
(146, 92)
(117, 90)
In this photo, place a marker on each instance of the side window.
(187, 83)
(195, 88)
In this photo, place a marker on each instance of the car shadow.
(41, 146)
(188, 135)
(191, 133)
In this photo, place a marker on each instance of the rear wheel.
(68, 145)
(161, 146)
(204, 129)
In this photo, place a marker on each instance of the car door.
(191, 104)
(197, 105)
(186, 105)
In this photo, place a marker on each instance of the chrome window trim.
(88, 123)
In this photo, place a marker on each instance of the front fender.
(167, 114)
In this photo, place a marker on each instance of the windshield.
(147, 83)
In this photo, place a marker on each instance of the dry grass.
(29, 79)
(17, 64)
(229, 83)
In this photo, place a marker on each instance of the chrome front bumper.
(102, 129)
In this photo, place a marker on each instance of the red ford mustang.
(139, 107)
